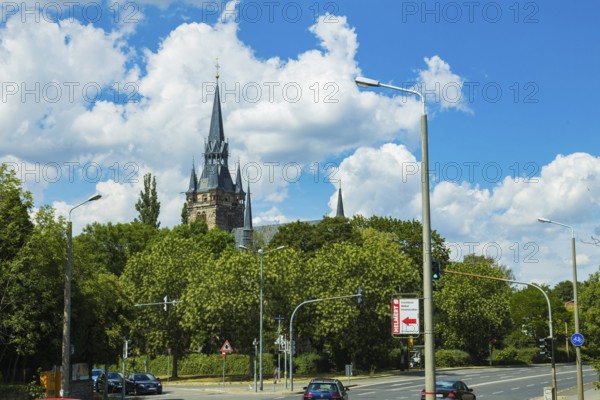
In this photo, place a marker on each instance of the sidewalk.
(589, 393)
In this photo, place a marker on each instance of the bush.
(509, 356)
(394, 358)
(310, 363)
(452, 358)
(530, 355)
(238, 365)
(14, 392)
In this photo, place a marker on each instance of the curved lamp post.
(66, 343)
(575, 304)
(261, 253)
(427, 284)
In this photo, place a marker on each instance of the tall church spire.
(213, 197)
(247, 231)
(216, 132)
(340, 204)
(248, 216)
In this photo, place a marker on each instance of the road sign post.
(577, 339)
(225, 349)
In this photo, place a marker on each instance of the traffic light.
(360, 295)
(166, 305)
(436, 270)
(547, 347)
(126, 348)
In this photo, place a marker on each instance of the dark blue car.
(323, 388)
(143, 383)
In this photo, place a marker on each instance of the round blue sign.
(577, 339)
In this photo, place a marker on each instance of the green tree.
(529, 316)
(15, 206)
(184, 214)
(480, 304)
(148, 205)
(589, 307)
(340, 327)
(163, 269)
(15, 231)
(107, 247)
(409, 234)
(32, 298)
(298, 235)
(564, 291)
(310, 237)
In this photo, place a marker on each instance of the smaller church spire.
(193, 179)
(238, 180)
(248, 216)
(340, 204)
(247, 231)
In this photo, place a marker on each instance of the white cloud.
(501, 223)
(49, 72)
(445, 86)
(277, 112)
(380, 181)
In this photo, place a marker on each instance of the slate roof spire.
(247, 232)
(215, 172)
(248, 216)
(238, 180)
(193, 179)
(340, 204)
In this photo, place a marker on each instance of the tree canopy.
(148, 205)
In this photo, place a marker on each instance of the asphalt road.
(497, 383)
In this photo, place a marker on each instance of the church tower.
(214, 198)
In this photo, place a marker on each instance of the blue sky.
(94, 95)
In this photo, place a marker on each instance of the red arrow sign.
(409, 321)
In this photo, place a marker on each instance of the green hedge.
(15, 392)
(311, 363)
(237, 365)
(452, 358)
(530, 355)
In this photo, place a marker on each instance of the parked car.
(96, 372)
(451, 390)
(115, 382)
(143, 383)
(323, 388)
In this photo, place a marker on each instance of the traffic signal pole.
(359, 299)
(553, 379)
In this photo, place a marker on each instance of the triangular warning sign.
(227, 347)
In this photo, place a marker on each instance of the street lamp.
(427, 284)
(66, 343)
(262, 253)
(575, 304)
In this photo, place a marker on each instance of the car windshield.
(143, 377)
(96, 372)
(114, 375)
(445, 385)
(322, 387)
